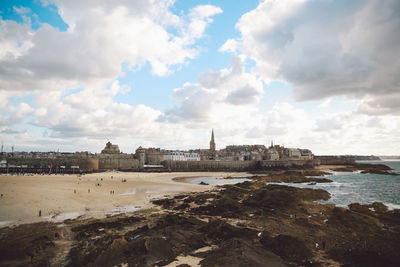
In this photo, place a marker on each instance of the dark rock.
(240, 252)
(287, 247)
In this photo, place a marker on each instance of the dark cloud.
(327, 48)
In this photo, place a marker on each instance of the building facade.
(112, 158)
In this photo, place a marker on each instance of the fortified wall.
(268, 164)
(336, 160)
(117, 162)
(128, 162)
(248, 165)
(85, 164)
(210, 165)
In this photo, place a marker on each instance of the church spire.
(212, 142)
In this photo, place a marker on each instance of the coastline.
(246, 223)
(68, 196)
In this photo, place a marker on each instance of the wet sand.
(61, 197)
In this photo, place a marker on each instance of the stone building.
(153, 156)
(272, 154)
(306, 154)
(243, 152)
(149, 156)
(141, 156)
(111, 149)
(292, 153)
(112, 158)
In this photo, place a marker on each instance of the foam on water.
(392, 206)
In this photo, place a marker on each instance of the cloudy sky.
(323, 75)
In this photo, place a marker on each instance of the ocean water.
(351, 187)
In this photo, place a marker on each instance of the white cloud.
(16, 114)
(22, 10)
(321, 48)
(327, 48)
(72, 75)
(101, 36)
(200, 17)
(216, 96)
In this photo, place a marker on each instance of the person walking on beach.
(57, 236)
(40, 213)
(1, 196)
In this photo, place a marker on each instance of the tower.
(212, 142)
(141, 156)
(212, 153)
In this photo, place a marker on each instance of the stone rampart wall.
(130, 163)
(118, 163)
(210, 165)
(336, 160)
(85, 164)
(265, 164)
(248, 165)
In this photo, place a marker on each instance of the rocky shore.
(247, 224)
(368, 168)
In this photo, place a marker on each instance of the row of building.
(112, 158)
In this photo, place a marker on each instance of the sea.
(351, 187)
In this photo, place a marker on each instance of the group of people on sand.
(112, 192)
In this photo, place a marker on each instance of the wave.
(392, 206)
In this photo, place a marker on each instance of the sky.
(322, 75)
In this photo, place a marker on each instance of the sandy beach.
(252, 223)
(61, 197)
